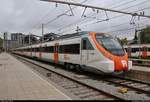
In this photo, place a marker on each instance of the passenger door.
(56, 55)
(87, 51)
(144, 52)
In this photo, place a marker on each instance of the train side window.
(148, 49)
(86, 45)
(133, 50)
(70, 49)
(49, 49)
(36, 49)
(145, 49)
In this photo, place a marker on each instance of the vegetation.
(1, 42)
(145, 35)
(123, 41)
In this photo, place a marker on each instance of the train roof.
(72, 35)
(66, 36)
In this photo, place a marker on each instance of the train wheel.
(66, 66)
(78, 68)
(69, 66)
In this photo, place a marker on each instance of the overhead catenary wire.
(86, 7)
(146, 1)
(40, 22)
(82, 20)
(146, 8)
(65, 13)
(133, 0)
(115, 18)
(100, 8)
(119, 15)
(75, 7)
(144, 19)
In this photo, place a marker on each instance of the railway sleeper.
(69, 87)
(83, 92)
(142, 86)
(102, 97)
(88, 95)
(77, 89)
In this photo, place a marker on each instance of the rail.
(140, 87)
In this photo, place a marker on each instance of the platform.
(141, 68)
(140, 73)
(18, 82)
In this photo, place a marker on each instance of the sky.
(27, 16)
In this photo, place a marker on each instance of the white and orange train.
(138, 51)
(89, 51)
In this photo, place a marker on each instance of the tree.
(145, 35)
(1, 42)
(123, 41)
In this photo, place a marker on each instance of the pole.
(140, 44)
(29, 39)
(42, 33)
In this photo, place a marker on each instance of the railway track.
(141, 87)
(94, 87)
(143, 65)
(81, 90)
(138, 62)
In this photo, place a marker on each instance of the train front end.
(113, 51)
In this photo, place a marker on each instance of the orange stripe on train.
(119, 64)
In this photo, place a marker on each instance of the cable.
(136, 4)
(146, 8)
(123, 29)
(56, 17)
(43, 18)
(63, 13)
(73, 8)
(123, 8)
(128, 2)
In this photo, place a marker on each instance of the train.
(87, 51)
(138, 51)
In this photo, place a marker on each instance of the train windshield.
(110, 44)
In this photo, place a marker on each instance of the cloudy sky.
(28, 16)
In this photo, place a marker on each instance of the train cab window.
(126, 49)
(111, 44)
(148, 49)
(86, 45)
